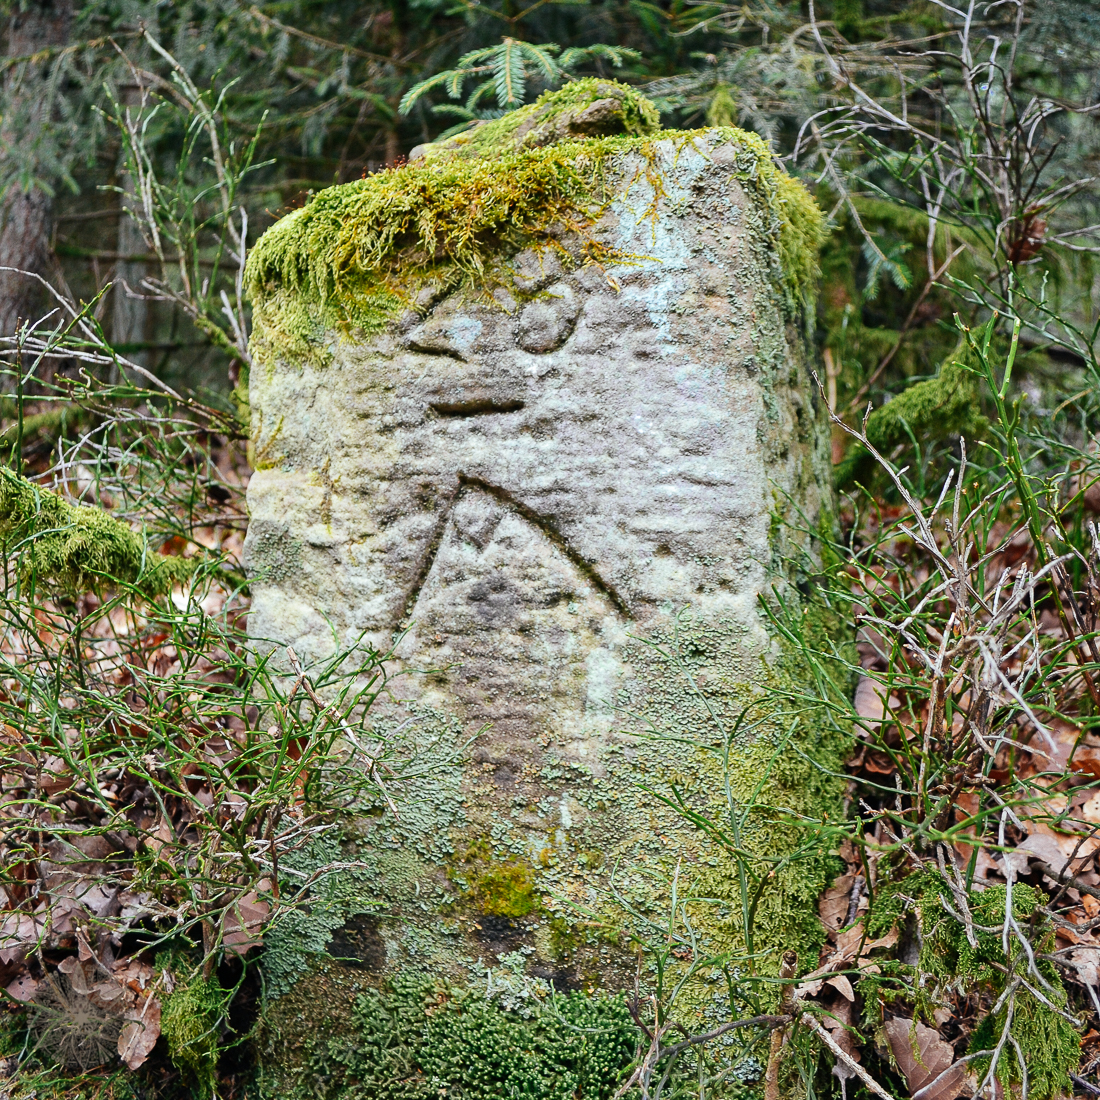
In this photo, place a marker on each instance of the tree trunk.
(26, 209)
(130, 309)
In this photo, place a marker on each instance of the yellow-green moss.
(493, 887)
(189, 1021)
(555, 115)
(358, 255)
(78, 546)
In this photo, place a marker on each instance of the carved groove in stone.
(546, 526)
(542, 523)
(474, 408)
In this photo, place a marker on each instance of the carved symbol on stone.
(512, 616)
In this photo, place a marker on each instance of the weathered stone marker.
(561, 477)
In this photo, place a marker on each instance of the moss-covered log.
(77, 547)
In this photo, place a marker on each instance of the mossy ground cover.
(77, 547)
(950, 961)
(415, 1038)
(935, 409)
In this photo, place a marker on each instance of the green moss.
(493, 887)
(358, 255)
(44, 428)
(507, 891)
(415, 1039)
(190, 1021)
(560, 114)
(949, 961)
(932, 410)
(78, 546)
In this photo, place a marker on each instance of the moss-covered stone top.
(359, 254)
(582, 109)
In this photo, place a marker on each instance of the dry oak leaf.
(1086, 961)
(840, 983)
(77, 973)
(140, 1032)
(18, 934)
(1061, 851)
(923, 1057)
(843, 957)
(832, 906)
(23, 988)
(1090, 809)
(243, 922)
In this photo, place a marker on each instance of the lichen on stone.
(78, 546)
(764, 771)
(358, 255)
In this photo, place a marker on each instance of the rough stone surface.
(533, 491)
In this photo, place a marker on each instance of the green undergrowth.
(42, 427)
(78, 546)
(936, 409)
(189, 1022)
(415, 1039)
(948, 961)
(358, 255)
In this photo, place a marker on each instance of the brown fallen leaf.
(18, 935)
(1086, 761)
(77, 974)
(869, 703)
(840, 983)
(242, 925)
(23, 988)
(1062, 852)
(1090, 809)
(922, 1056)
(160, 835)
(1086, 961)
(832, 906)
(140, 1033)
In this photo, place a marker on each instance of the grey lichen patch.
(397, 864)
